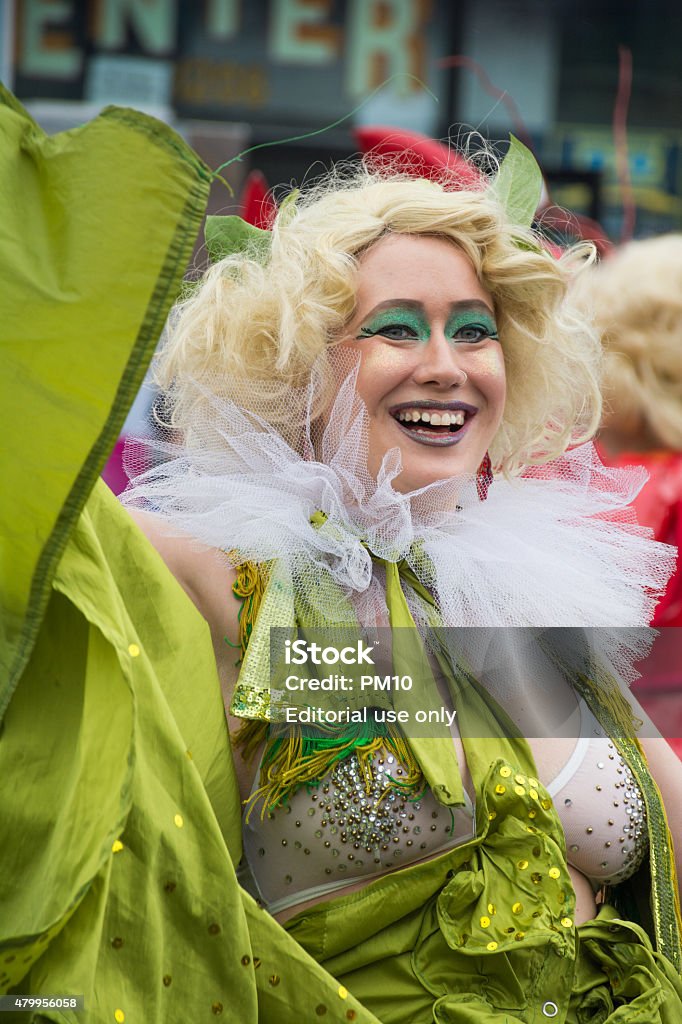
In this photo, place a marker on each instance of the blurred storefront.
(231, 74)
(238, 73)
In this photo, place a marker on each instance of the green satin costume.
(484, 934)
(119, 809)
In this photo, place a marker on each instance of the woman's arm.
(206, 577)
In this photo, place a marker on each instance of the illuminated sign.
(276, 60)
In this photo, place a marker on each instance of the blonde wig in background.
(255, 325)
(636, 299)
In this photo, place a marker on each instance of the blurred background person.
(636, 298)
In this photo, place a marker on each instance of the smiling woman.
(359, 400)
(341, 391)
(431, 372)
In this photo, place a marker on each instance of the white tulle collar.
(559, 546)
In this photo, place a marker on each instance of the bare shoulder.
(204, 573)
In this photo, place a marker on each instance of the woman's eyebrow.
(476, 305)
(393, 303)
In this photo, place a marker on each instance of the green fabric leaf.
(98, 225)
(228, 235)
(518, 185)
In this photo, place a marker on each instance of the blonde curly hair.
(262, 322)
(636, 299)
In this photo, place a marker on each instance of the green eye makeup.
(392, 322)
(471, 326)
(403, 323)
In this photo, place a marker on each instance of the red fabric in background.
(659, 506)
(412, 153)
(257, 205)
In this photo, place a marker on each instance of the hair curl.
(254, 327)
(636, 299)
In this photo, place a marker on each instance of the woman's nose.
(439, 363)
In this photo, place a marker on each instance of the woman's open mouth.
(440, 425)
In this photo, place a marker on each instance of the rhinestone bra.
(339, 833)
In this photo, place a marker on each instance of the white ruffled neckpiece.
(559, 546)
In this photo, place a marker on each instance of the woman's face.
(431, 366)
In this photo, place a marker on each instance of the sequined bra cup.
(338, 834)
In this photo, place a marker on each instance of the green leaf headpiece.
(517, 186)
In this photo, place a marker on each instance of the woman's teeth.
(434, 419)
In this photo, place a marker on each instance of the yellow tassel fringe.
(286, 766)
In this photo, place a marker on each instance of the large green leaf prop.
(97, 228)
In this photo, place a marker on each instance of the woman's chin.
(423, 464)
(431, 471)
(433, 459)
